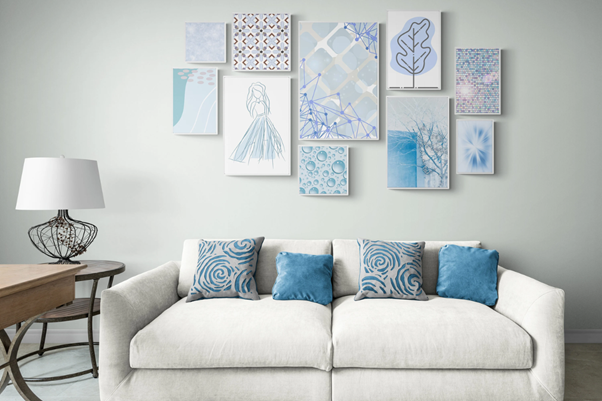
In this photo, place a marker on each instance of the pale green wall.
(92, 79)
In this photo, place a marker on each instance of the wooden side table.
(81, 308)
(26, 291)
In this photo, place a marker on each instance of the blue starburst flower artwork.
(323, 170)
(474, 146)
(338, 80)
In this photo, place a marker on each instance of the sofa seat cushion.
(236, 333)
(440, 333)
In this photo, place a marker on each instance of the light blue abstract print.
(195, 101)
(474, 147)
(417, 142)
(338, 74)
(205, 42)
(390, 270)
(323, 170)
(226, 269)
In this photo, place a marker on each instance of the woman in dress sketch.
(261, 141)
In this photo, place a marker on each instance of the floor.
(583, 374)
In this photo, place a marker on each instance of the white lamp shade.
(49, 183)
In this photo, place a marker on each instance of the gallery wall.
(93, 79)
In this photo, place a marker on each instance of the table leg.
(4, 347)
(13, 369)
(90, 332)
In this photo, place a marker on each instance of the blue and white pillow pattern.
(226, 269)
(390, 270)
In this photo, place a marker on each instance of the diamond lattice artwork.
(261, 42)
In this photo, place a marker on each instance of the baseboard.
(583, 336)
(63, 336)
(55, 336)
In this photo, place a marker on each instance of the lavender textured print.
(261, 42)
(205, 42)
(478, 81)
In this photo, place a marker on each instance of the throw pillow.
(303, 277)
(226, 269)
(390, 270)
(468, 273)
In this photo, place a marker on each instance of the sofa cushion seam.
(533, 303)
(542, 385)
(121, 383)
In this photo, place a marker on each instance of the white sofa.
(155, 346)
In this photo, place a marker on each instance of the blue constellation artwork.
(323, 170)
(262, 140)
(338, 80)
(367, 33)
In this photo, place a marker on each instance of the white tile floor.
(55, 363)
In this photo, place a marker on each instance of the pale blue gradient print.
(195, 101)
(205, 42)
(475, 147)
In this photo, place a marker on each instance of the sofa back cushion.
(346, 270)
(266, 273)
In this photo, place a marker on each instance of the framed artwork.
(474, 147)
(257, 126)
(195, 101)
(338, 80)
(478, 81)
(414, 50)
(323, 170)
(205, 42)
(261, 42)
(417, 142)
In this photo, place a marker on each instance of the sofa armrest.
(539, 309)
(126, 309)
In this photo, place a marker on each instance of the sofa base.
(250, 384)
(436, 385)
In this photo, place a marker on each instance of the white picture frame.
(195, 99)
(249, 43)
(475, 146)
(330, 107)
(323, 170)
(412, 152)
(474, 87)
(408, 68)
(257, 125)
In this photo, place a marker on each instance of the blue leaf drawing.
(412, 48)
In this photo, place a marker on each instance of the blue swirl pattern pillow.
(226, 269)
(390, 270)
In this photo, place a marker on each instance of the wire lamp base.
(62, 237)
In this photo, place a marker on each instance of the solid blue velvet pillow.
(303, 277)
(468, 273)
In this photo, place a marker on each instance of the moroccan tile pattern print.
(261, 42)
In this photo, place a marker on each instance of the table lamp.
(50, 183)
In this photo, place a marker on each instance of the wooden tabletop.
(16, 278)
